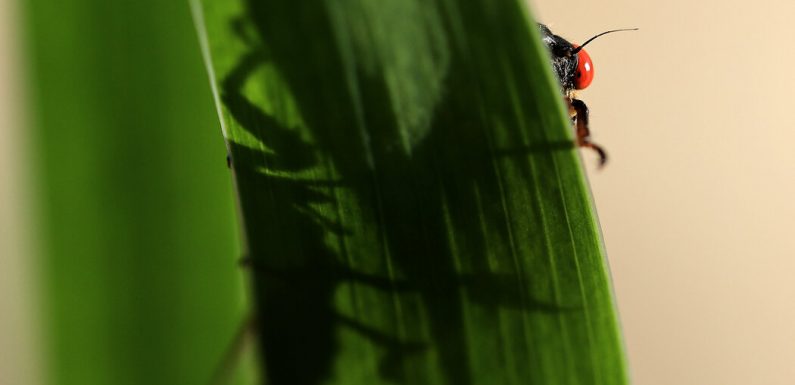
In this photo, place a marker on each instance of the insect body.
(574, 69)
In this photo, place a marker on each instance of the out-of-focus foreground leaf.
(414, 208)
(141, 281)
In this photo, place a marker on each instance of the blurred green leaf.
(414, 207)
(141, 274)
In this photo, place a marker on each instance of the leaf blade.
(430, 199)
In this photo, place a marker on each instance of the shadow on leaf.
(432, 203)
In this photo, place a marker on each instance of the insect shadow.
(295, 269)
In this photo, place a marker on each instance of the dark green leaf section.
(141, 274)
(414, 207)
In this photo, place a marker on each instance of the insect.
(574, 69)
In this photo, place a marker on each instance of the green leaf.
(414, 207)
(140, 273)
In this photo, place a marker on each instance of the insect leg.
(583, 132)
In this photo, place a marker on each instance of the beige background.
(698, 202)
(19, 358)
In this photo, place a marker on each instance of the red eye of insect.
(584, 74)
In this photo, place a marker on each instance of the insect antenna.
(603, 33)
